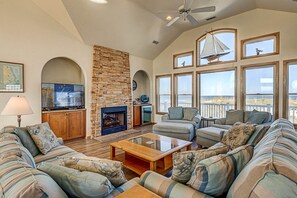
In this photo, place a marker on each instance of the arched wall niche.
(143, 84)
(62, 70)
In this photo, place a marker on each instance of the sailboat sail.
(213, 48)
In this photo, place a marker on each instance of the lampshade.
(17, 106)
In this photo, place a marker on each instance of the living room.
(114, 44)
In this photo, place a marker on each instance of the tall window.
(163, 93)
(290, 91)
(226, 36)
(184, 89)
(259, 84)
(217, 93)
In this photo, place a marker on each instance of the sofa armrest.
(124, 187)
(60, 140)
(165, 117)
(197, 119)
(166, 187)
(220, 121)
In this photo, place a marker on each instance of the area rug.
(119, 136)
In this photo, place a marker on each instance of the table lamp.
(17, 106)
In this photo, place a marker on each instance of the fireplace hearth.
(114, 119)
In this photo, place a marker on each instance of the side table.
(205, 121)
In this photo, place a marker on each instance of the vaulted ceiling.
(132, 25)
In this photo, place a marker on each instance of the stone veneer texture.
(111, 85)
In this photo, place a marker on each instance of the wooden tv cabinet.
(67, 124)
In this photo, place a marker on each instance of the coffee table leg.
(112, 152)
(189, 148)
(153, 166)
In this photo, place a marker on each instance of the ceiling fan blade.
(188, 4)
(204, 9)
(172, 21)
(192, 20)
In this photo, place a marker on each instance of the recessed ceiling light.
(168, 18)
(100, 1)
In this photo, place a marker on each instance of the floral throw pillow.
(43, 136)
(238, 135)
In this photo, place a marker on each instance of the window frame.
(286, 87)
(198, 83)
(275, 66)
(175, 56)
(277, 45)
(175, 85)
(233, 30)
(158, 94)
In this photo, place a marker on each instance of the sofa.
(271, 171)
(22, 175)
(209, 136)
(180, 122)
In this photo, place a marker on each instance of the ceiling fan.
(185, 12)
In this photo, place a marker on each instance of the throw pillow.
(27, 140)
(258, 134)
(175, 113)
(76, 183)
(257, 118)
(43, 136)
(185, 162)
(234, 116)
(190, 113)
(238, 135)
(214, 176)
(109, 168)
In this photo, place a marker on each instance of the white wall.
(143, 85)
(249, 24)
(31, 37)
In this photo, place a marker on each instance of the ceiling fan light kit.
(185, 12)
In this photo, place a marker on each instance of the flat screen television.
(62, 96)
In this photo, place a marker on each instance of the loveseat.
(271, 171)
(180, 122)
(21, 175)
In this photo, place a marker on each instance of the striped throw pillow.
(214, 176)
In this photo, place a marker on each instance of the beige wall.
(143, 85)
(31, 37)
(249, 24)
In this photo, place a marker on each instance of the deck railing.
(219, 110)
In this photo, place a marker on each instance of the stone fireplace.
(111, 88)
(114, 119)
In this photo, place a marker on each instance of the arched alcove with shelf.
(143, 85)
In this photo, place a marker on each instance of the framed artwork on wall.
(11, 77)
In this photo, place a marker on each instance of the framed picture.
(11, 77)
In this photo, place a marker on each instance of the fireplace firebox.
(113, 119)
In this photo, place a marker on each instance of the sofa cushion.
(214, 176)
(258, 134)
(246, 115)
(185, 162)
(175, 113)
(234, 116)
(9, 148)
(257, 117)
(275, 152)
(43, 136)
(174, 127)
(78, 184)
(109, 168)
(189, 113)
(27, 140)
(19, 179)
(238, 135)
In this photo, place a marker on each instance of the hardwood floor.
(100, 149)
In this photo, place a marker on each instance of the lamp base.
(19, 120)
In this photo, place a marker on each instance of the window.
(217, 93)
(183, 60)
(290, 90)
(260, 46)
(184, 89)
(163, 93)
(260, 83)
(227, 37)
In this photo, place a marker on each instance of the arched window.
(228, 37)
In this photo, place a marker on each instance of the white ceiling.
(132, 25)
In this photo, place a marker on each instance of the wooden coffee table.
(148, 152)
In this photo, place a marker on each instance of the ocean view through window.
(184, 90)
(163, 93)
(292, 93)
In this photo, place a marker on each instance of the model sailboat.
(213, 48)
